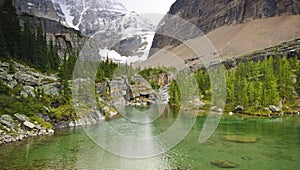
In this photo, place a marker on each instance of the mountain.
(234, 27)
(125, 36)
(43, 12)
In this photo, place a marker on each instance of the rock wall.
(209, 15)
(65, 38)
(134, 90)
(161, 79)
(38, 8)
(288, 49)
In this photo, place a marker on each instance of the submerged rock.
(223, 164)
(240, 139)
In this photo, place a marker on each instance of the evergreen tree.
(11, 24)
(53, 56)
(258, 95)
(27, 45)
(41, 60)
(175, 96)
(231, 96)
(202, 79)
(285, 81)
(297, 85)
(270, 89)
(3, 50)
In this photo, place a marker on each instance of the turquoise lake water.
(277, 147)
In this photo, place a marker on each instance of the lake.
(277, 146)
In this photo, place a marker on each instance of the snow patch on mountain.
(111, 21)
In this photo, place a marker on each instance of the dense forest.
(25, 44)
(253, 85)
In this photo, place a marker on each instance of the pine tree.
(270, 89)
(297, 85)
(3, 50)
(41, 60)
(285, 81)
(53, 56)
(230, 81)
(27, 45)
(258, 95)
(11, 24)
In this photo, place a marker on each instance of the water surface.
(277, 147)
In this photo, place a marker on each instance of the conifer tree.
(40, 51)
(270, 89)
(285, 81)
(297, 85)
(3, 50)
(11, 24)
(27, 45)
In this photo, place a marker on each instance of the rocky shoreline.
(18, 127)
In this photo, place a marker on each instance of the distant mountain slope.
(126, 36)
(232, 41)
(233, 27)
(210, 15)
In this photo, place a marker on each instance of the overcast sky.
(148, 6)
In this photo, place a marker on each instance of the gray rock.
(24, 94)
(21, 117)
(50, 131)
(29, 124)
(51, 89)
(6, 123)
(28, 91)
(7, 118)
(12, 83)
(239, 109)
(274, 108)
(27, 80)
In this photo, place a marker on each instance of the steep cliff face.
(63, 36)
(44, 12)
(213, 14)
(125, 36)
(38, 8)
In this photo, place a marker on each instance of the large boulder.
(51, 89)
(7, 120)
(28, 91)
(274, 108)
(21, 117)
(140, 87)
(27, 79)
(118, 88)
(28, 124)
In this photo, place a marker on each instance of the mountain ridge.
(210, 15)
